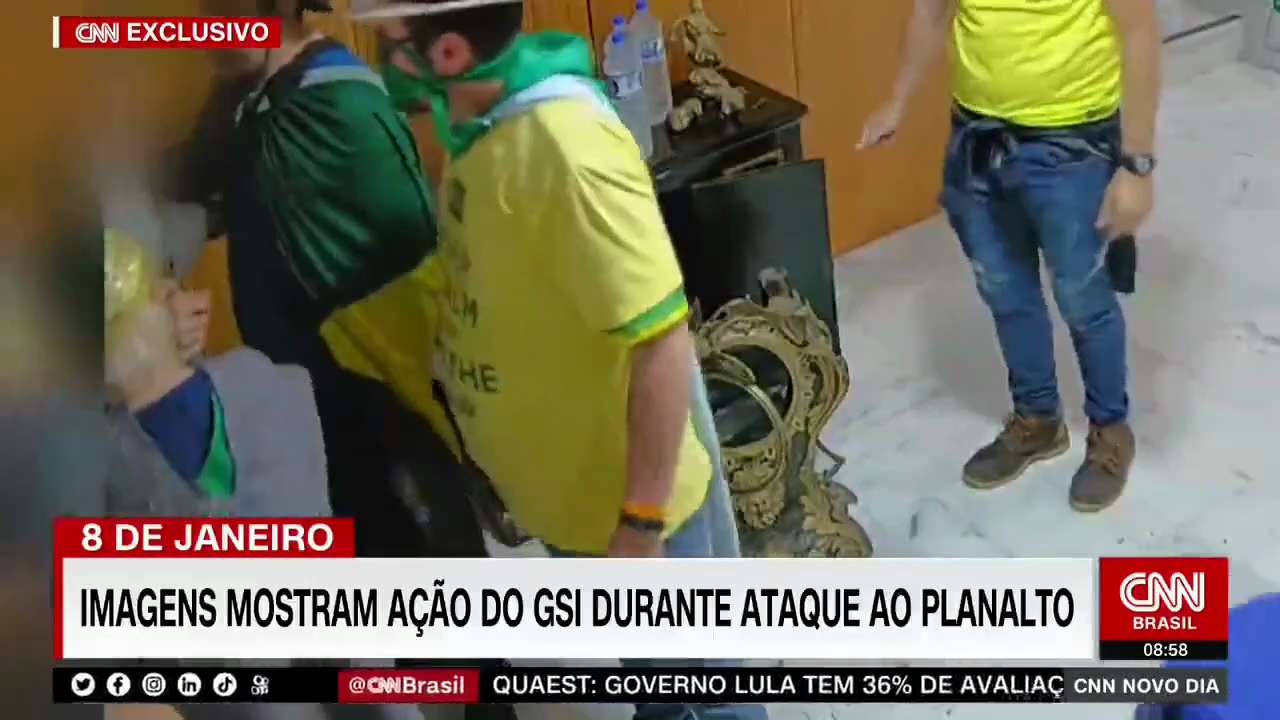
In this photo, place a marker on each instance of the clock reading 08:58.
(1165, 650)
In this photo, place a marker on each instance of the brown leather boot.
(1022, 442)
(1101, 479)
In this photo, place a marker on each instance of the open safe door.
(750, 221)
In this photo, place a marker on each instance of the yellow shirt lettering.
(557, 262)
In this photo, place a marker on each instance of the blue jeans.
(1012, 197)
(712, 532)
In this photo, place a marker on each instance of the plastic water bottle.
(653, 57)
(625, 77)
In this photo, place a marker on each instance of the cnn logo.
(1149, 592)
(98, 33)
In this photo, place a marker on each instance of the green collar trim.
(528, 61)
(218, 476)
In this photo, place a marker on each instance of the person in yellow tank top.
(1051, 156)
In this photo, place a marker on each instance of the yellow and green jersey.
(1037, 63)
(557, 263)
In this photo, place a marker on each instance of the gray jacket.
(275, 439)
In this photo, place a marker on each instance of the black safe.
(738, 197)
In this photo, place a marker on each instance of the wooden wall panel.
(210, 273)
(362, 38)
(760, 41)
(70, 106)
(838, 57)
(571, 16)
(846, 56)
(42, 132)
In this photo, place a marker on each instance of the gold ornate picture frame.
(778, 360)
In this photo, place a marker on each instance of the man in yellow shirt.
(1042, 162)
(563, 344)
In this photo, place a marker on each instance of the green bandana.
(528, 61)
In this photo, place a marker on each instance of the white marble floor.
(928, 385)
(1205, 354)
(1204, 326)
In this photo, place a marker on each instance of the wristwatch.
(645, 518)
(649, 527)
(1141, 165)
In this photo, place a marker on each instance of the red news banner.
(149, 33)
(173, 538)
(169, 538)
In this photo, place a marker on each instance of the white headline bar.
(878, 609)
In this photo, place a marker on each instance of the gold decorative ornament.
(778, 363)
(700, 36)
(685, 113)
(714, 87)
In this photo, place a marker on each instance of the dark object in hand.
(1122, 263)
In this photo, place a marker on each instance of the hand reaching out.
(882, 126)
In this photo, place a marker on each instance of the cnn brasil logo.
(1163, 601)
(1164, 607)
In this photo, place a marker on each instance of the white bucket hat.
(374, 10)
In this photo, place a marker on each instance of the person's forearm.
(657, 414)
(1142, 52)
(927, 35)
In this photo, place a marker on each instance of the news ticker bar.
(133, 684)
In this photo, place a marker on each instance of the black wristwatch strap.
(1139, 164)
(645, 525)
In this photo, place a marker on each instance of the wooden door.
(68, 108)
(846, 56)
(571, 16)
(362, 38)
(759, 41)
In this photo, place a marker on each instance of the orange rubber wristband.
(642, 511)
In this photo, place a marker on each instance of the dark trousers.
(390, 472)
(419, 509)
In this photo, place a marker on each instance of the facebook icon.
(118, 684)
